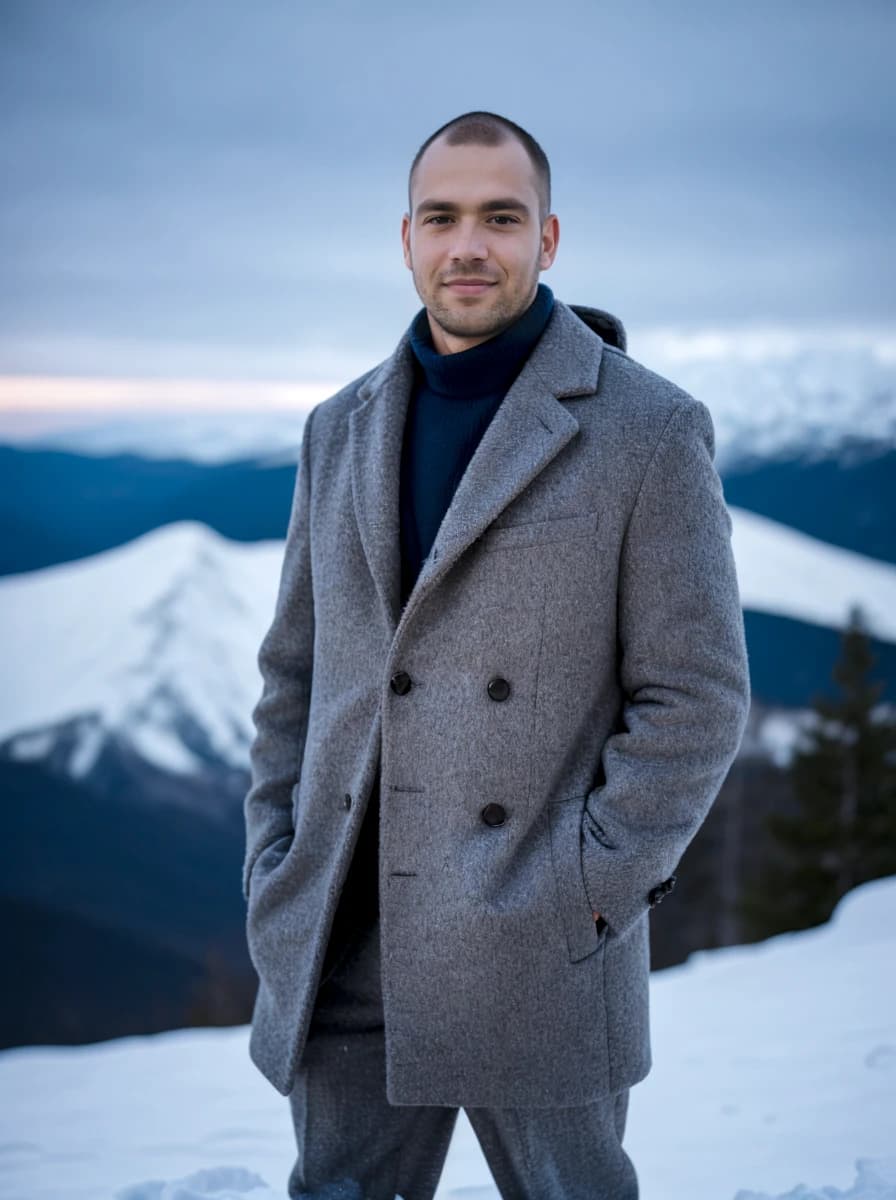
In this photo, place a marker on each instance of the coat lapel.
(528, 430)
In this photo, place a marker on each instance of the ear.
(406, 239)
(550, 239)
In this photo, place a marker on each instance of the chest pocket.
(538, 533)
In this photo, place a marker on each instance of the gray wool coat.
(553, 711)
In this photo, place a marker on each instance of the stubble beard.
(473, 322)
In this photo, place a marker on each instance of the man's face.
(475, 217)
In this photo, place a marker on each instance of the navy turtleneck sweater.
(453, 398)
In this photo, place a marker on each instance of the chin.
(477, 325)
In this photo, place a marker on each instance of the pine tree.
(843, 830)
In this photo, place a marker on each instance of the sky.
(206, 190)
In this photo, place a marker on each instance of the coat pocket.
(582, 934)
(537, 533)
(271, 857)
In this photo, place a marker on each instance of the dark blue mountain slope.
(851, 504)
(57, 507)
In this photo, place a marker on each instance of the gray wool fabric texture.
(586, 560)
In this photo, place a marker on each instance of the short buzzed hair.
(491, 129)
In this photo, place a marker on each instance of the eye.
(503, 217)
(437, 217)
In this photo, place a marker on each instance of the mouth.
(469, 287)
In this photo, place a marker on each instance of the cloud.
(231, 177)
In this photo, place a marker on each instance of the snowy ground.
(774, 1076)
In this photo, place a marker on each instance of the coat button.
(400, 682)
(498, 688)
(657, 894)
(494, 814)
(347, 800)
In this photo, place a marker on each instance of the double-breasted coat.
(552, 714)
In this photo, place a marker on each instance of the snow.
(774, 392)
(771, 391)
(774, 1078)
(156, 641)
(267, 435)
(160, 419)
(145, 638)
(874, 1181)
(789, 573)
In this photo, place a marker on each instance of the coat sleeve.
(285, 660)
(683, 671)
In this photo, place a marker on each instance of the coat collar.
(529, 428)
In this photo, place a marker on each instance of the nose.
(469, 242)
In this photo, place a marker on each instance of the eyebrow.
(501, 205)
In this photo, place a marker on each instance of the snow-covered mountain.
(266, 436)
(775, 394)
(154, 643)
(772, 393)
(787, 573)
(774, 1077)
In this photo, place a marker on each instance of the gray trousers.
(353, 1145)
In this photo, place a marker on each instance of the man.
(505, 679)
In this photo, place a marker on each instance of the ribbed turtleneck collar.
(492, 365)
